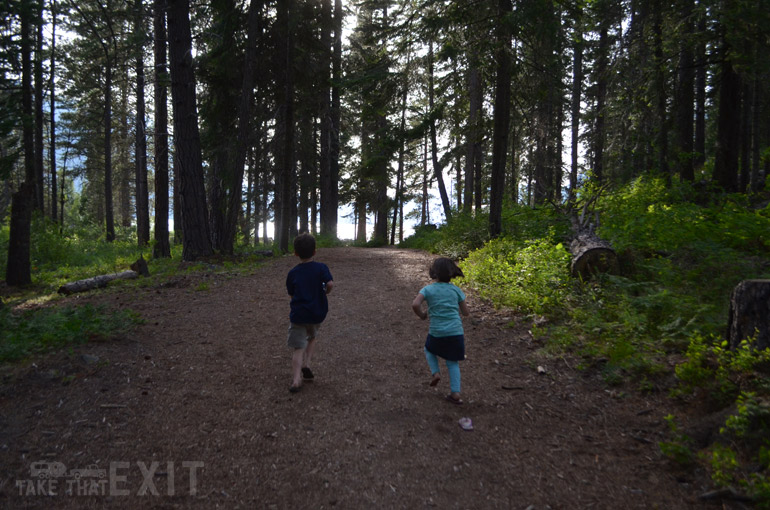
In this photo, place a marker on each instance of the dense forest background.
(283, 112)
(498, 131)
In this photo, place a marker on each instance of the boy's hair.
(304, 246)
(444, 269)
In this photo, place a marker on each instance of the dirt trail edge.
(193, 410)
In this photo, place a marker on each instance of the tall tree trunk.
(238, 160)
(52, 91)
(140, 154)
(438, 169)
(123, 171)
(246, 224)
(728, 126)
(161, 247)
(361, 216)
(328, 208)
(18, 270)
(425, 206)
(745, 136)
(473, 151)
(188, 160)
(685, 97)
(661, 141)
(601, 98)
(577, 83)
(755, 184)
(699, 156)
(401, 148)
(306, 153)
(286, 103)
(39, 87)
(502, 116)
(334, 144)
(109, 215)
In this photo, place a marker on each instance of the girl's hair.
(444, 269)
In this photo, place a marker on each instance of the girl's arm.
(417, 307)
(329, 286)
(464, 308)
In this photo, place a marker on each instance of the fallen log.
(591, 255)
(750, 314)
(96, 282)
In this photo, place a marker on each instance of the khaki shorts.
(300, 334)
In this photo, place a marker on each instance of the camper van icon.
(44, 469)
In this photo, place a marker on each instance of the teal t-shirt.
(443, 308)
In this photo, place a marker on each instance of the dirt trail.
(195, 404)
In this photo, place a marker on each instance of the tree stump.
(750, 314)
(592, 255)
(140, 266)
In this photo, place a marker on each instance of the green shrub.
(529, 277)
(679, 448)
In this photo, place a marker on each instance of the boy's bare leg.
(296, 366)
(308, 353)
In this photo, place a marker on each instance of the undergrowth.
(58, 258)
(681, 253)
(37, 331)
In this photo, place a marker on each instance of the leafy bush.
(464, 232)
(530, 277)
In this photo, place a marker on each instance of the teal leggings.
(453, 367)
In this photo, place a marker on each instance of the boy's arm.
(329, 286)
(417, 307)
(464, 308)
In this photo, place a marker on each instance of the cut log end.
(594, 260)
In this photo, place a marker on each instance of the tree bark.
(685, 98)
(286, 102)
(728, 126)
(109, 215)
(39, 87)
(18, 255)
(502, 110)
(140, 155)
(577, 82)
(52, 91)
(238, 162)
(18, 271)
(750, 314)
(699, 156)
(161, 247)
(661, 141)
(591, 255)
(189, 163)
(601, 98)
(328, 208)
(473, 151)
(438, 169)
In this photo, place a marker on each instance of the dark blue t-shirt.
(306, 284)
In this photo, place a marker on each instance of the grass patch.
(42, 330)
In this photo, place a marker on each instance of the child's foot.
(307, 373)
(294, 389)
(454, 398)
(436, 378)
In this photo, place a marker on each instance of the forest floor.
(192, 409)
